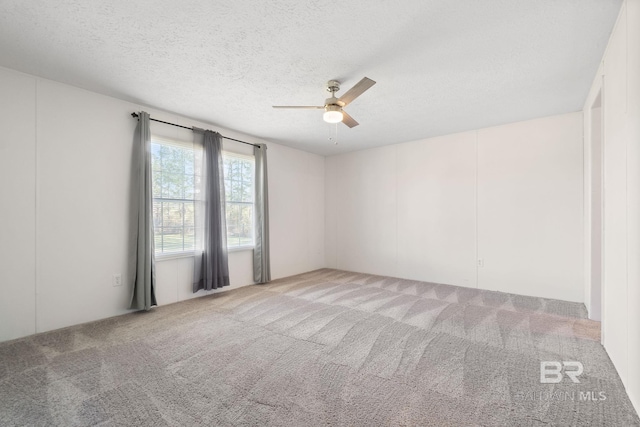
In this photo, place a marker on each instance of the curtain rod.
(135, 115)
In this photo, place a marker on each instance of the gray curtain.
(261, 260)
(144, 270)
(211, 267)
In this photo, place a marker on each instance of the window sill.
(179, 255)
(240, 248)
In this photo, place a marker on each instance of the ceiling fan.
(333, 112)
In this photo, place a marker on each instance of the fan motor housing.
(331, 101)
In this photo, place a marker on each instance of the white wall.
(296, 202)
(361, 211)
(618, 79)
(428, 210)
(65, 159)
(530, 208)
(18, 209)
(436, 201)
(594, 211)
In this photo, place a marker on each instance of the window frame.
(180, 144)
(189, 145)
(252, 159)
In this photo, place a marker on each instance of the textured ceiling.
(441, 66)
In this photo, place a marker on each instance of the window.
(174, 179)
(238, 187)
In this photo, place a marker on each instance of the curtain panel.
(211, 266)
(261, 258)
(143, 271)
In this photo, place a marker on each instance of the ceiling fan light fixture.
(332, 114)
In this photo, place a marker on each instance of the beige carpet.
(322, 348)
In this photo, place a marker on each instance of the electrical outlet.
(117, 280)
(480, 262)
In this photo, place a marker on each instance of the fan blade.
(348, 120)
(356, 91)
(306, 107)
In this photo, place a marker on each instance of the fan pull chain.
(334, 138)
